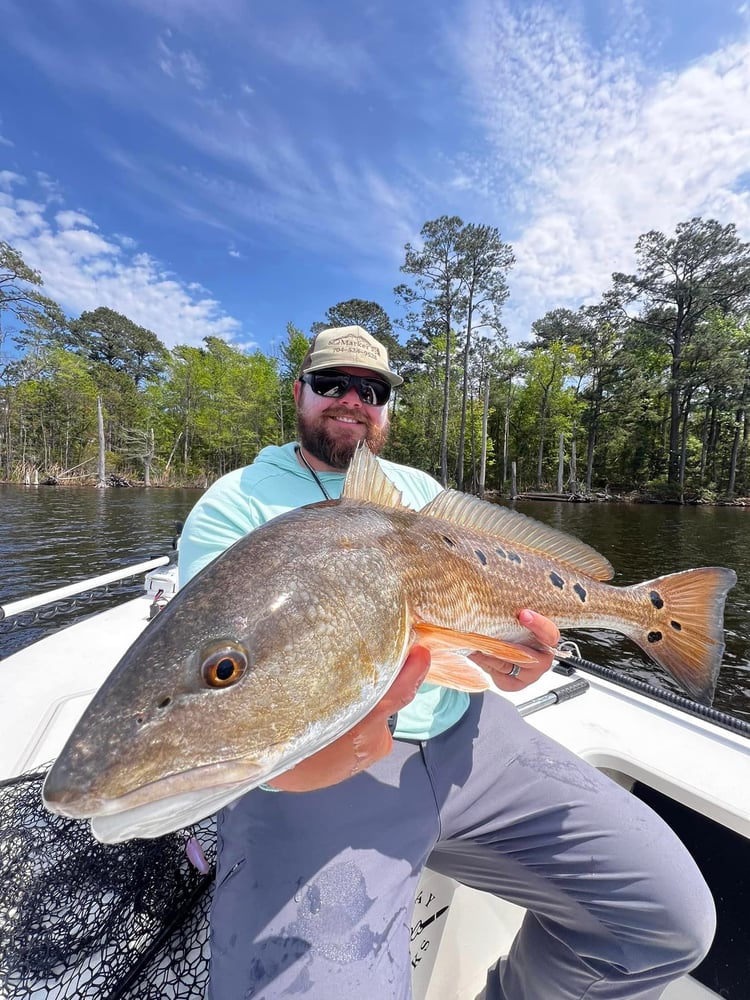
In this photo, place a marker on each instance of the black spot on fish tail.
(685, 613)
(581, 591)
(481, 556)
(514, 557)
(556, 581)
(502, 553)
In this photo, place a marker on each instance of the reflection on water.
(52, 536)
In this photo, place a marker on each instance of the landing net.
(80, 919)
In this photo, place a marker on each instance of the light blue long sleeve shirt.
(244, 499)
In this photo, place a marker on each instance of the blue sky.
(223, 167)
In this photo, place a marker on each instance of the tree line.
(646, 390)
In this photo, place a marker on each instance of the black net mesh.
(80, 919)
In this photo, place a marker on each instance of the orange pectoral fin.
(452, 668)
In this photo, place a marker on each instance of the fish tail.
(685, 626)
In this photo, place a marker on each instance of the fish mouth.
(163, 805)
(165, 815)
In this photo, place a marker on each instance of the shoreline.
(494, 496)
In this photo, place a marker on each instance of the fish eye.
(223, 666)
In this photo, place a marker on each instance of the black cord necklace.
(313, 473)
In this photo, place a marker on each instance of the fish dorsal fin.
(366, 481)
(518, 530)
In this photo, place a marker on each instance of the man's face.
(331, 429)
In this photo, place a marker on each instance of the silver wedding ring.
(514, 671)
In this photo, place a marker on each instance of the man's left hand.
(512, 677)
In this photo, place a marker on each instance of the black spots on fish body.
(556, 580)
(481, 556)
(676, 626)
(654, 636)
(581, 591)
(509, 555)
(656, 599)
(449, 542)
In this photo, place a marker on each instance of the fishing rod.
(685, 704)
(577, 687)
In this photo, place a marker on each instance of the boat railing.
(81, 587)
(723, 720)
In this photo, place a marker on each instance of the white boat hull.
(634, 739)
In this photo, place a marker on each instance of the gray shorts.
(315, 891)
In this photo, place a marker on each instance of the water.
(51, 536)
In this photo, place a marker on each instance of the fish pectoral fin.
(452, 668)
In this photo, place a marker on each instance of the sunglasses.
(334, 385)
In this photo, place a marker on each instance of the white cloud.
(592, 150)
(233, 163)
(304, 45)
(182, 65)
(69, 220)
(4, 141)
(314, 194)
(8, 178)
(83, 270)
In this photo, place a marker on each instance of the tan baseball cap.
(348, 347)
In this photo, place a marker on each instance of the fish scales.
(469, 582)
(295, 633)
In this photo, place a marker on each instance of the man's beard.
(316, 438)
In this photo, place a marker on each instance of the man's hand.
(366, 742)
(548, 636)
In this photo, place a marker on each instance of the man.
(315, 884)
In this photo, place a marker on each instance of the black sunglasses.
(372, 391)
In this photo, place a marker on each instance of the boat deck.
(631, 737)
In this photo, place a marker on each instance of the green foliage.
(28, 319)
(459, 284)
(361, 312)
(106, 337)
(680, 281)
(292, 354)
(666, 348)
